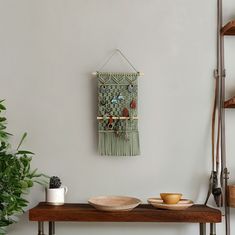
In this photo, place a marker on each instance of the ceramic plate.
(114, 203)
(181, 205)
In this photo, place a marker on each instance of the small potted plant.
(55, 194)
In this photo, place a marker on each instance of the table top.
(142, 213)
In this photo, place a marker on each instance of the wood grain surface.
(142, 213)
(229, 29)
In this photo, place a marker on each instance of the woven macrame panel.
(116, 92)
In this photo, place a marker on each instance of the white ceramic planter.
(56, 196)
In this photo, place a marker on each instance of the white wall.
(48, 50)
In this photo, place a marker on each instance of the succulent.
(55, 182)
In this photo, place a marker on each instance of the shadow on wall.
(94, 108)
(125, 228)
(23, 224)
(200, 181)
(70, 228)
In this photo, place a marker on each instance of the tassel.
(110, 145)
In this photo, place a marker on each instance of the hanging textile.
(117, 114)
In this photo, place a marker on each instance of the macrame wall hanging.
(117, 112)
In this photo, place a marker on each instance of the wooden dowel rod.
(122, 118)
(140, 74)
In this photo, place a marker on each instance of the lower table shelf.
(144, 213)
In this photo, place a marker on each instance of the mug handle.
(65, 189)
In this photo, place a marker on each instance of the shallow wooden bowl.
(114, 203)
(171, 198)
(181, 205)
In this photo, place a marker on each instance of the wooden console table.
(144, 213)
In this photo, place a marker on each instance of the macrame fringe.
(111, 145)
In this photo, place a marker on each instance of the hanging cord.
(216, 187)
(213, 181)
(213, 124)
(122, 55)
(218, 162)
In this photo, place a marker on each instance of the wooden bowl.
(114, 203)
(181, 205)
(171, 198)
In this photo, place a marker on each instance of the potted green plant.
(55, 194)
(16, 176)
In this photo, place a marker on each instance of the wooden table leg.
(202, 229)
(212, 229)
(51, 228)
(40, 228)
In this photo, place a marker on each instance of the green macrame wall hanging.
(118, 113)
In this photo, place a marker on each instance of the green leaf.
(4, 223)
(2, 127)
(2, 107)
(24, 184)
(30, 183)
(24, 152)
(8, 133)
(22, 139)
(43, 183)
